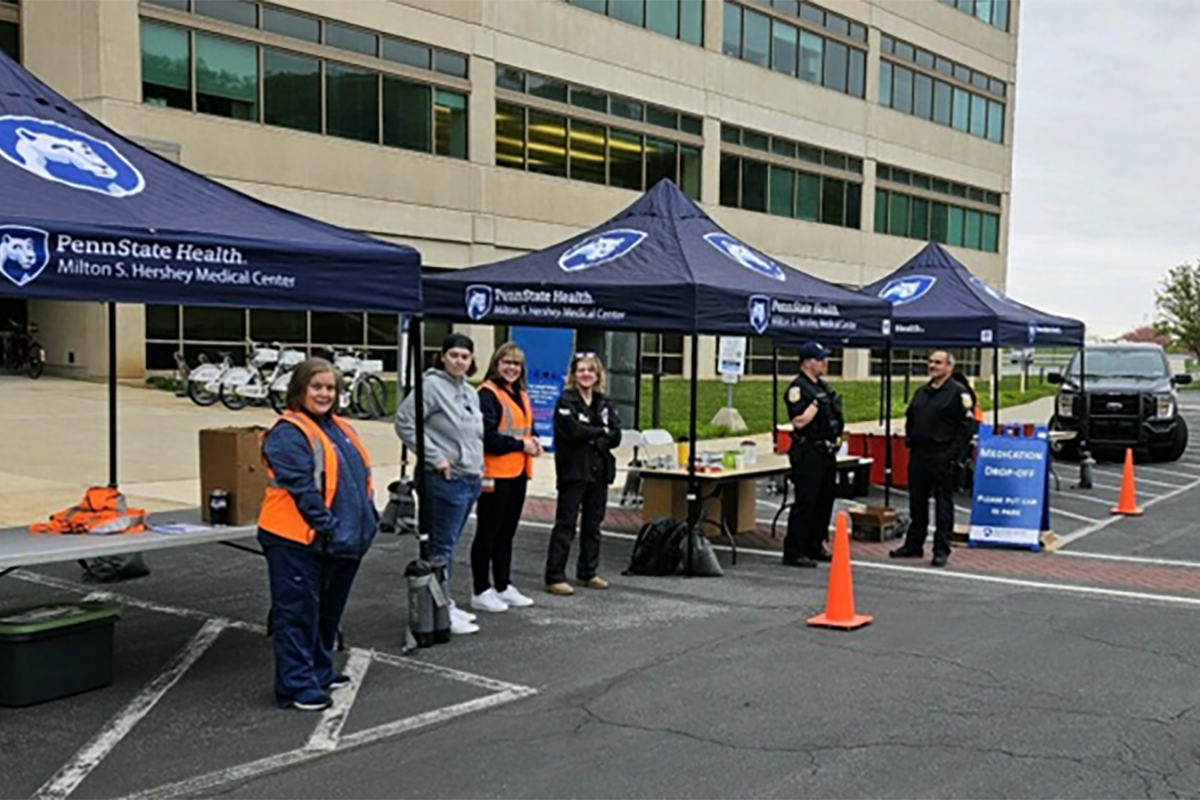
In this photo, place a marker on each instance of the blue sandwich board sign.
(1010, 504)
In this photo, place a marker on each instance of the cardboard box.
(231, 459)
(873, 523)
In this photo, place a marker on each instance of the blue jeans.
(450, 504)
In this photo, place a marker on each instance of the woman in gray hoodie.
(453, 452)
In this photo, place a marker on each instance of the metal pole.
(404, 366)
(112, 395)
(887, 426)
(996, 388)
(656, 397)
(637, 384)
(694, 512)
(416, 338)
(774, 395)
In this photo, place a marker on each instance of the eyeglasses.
(506, 362)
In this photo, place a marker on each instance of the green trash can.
(56, 650)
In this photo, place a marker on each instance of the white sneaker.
(514, 598)
(455, 611)
(459, 626)
(488, 601)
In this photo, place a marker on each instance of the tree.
(1177, 300)
(1145, 333)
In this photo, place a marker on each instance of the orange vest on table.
(279, 514)
(516, 420)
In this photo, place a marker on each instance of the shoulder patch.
(967, 401)
(793, 395)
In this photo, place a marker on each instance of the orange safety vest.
(103, 510)
(516, 421)
(279, 514)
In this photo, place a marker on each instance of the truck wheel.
(1174, 450)
(1063, 451)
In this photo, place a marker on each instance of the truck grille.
(1118, 417)
(1116, 405)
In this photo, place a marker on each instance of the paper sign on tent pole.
(731, 364)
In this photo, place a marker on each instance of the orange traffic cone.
(839, 602)
(1127, 504)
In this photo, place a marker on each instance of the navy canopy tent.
(937, 301)
(88, 215)
(661, 265)
(85, 214)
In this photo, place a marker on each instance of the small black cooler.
(52, 651)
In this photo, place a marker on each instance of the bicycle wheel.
(199, 391)
(231, 382)
(36, 364)
(370, 397)
(278, 398)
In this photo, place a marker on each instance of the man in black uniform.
(939, 426)
(817, 423)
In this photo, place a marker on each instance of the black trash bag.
(114, 569)
(704, 557)
(656, 550)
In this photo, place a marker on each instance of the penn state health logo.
(64, 155)
(479, 300)
(24, 253)
(745, 255)
(600, 248)
(906, 290)
(760, 312)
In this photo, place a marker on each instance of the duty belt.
(820, 445)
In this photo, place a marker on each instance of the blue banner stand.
(1010, 504)
(548, 354)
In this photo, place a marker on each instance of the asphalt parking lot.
(1013, 674)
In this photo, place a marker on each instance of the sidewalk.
(54, 444)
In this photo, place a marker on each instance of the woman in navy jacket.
(318, 520)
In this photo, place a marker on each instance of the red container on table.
(872, 446)
(783, 439)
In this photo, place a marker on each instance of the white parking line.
(1157, 562)
(1176, 472)
(1075, 536)
(68, 778)
(333, 719)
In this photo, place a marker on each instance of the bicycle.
(265, 378)
(23, 351)
(363, 392)
(204, 382)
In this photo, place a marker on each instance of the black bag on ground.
(656, 550)
(704, 557)
(113, 569)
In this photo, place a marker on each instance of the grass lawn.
(860, 401)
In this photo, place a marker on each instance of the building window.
(679, 19)
(10, 40)
(602, 148)
(921, 207)
(212, 332)
(242, 80)
(790, 179)
(760, 360)
(928, 87)
(993, 12)
(662, 353)
(166, 66)
(785, 38)
(915, 363)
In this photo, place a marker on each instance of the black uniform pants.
(592, 498)
(930, 473)
(814, 472)
(497, 515)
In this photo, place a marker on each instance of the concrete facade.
(461, 212)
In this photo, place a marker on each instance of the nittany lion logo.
(760, 312)
(24, 253)
(744, 255)
(996, 294)
(599, 249)
(479, 301)
(906, 290)
(64, 155)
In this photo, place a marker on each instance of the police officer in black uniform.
(817, 424)
(939, 426)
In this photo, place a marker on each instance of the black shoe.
(823, 557)
(939, 561)
(904, 552)
(339, 682)
(802, 561)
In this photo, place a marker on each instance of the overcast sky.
(1107, 156)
